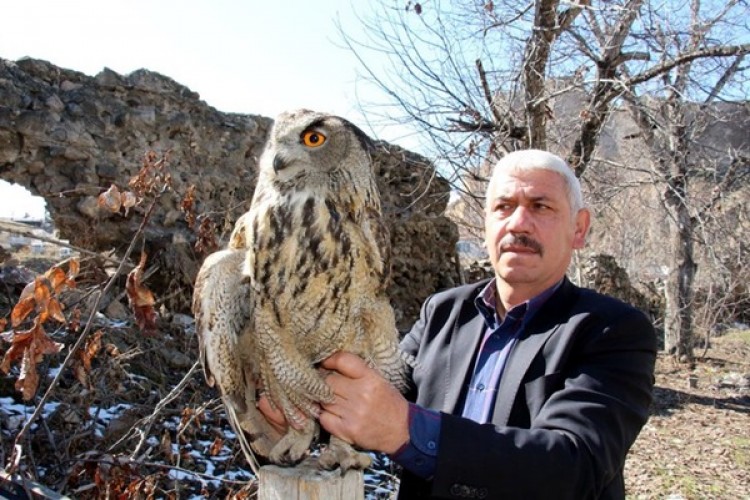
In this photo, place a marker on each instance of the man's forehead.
(535, 183)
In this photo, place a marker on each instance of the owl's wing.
(238, 238)
(223, 307)
(383, 241)
(391, 361)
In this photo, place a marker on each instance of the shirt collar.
(486, 303)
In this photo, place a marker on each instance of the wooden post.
(307, 482)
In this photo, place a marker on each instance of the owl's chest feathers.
(305, 248)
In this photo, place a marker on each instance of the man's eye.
(503, 207)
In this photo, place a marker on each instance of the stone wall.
(602, 273)
(67, 137)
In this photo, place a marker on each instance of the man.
(525, 386)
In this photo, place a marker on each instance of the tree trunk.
(679, 287)
(679, 290)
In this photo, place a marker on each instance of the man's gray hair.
(536, 159)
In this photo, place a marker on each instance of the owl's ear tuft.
(364, 140)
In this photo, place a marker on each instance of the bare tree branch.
(725, 77)
(660, 69)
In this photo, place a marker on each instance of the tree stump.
(307, 482)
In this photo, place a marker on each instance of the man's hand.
(367, 410)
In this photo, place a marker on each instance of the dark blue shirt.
(419, 455)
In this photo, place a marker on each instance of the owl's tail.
(256, 436)
(247, 450)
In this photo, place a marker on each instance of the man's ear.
(583, 222)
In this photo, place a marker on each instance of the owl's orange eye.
(313, 139)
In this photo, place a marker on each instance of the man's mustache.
(521, 240)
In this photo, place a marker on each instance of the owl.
(304, 276)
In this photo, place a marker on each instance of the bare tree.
(672, 128)
(478, 79)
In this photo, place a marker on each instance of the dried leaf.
(74, 267)
(110, 199)
(54, 309)
(85, 356)
(206, 240)
(141, 299)
(165, 446)
(151, 178)
(216, 447)
(100, 479)
(57, 278)
(91, 349)
(81, 375)
(75, 320)
(30, 347)
(22, 309)
(41, 293)
(44, 345)
(186, 417)
(112, 350)
(18, 343)
(28, 379)
(129, 200)
(187, 205)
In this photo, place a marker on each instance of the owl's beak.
(278, 163)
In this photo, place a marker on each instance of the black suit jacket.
(575, 393)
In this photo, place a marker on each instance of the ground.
(697, 442)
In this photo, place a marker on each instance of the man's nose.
(519, 220)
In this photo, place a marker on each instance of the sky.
(243, 56)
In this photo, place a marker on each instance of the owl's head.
(307, 146)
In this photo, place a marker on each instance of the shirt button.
(431, 445)
(480, 387)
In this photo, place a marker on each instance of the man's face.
(530, 231)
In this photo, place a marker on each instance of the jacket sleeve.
(411, 342)
(584, 416)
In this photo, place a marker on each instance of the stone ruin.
(602, 273)
(68, 137)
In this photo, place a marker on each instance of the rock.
(734, 380)
(11, 421)
(176, 359)
(54, 103)
(182, 322)
(603, 274)
(117, 311)
(89, 207)
(10, 147)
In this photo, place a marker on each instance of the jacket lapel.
(516, 367)
(464, 344)
(544, 324)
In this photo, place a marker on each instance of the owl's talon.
(342, 454)
(294, 445)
